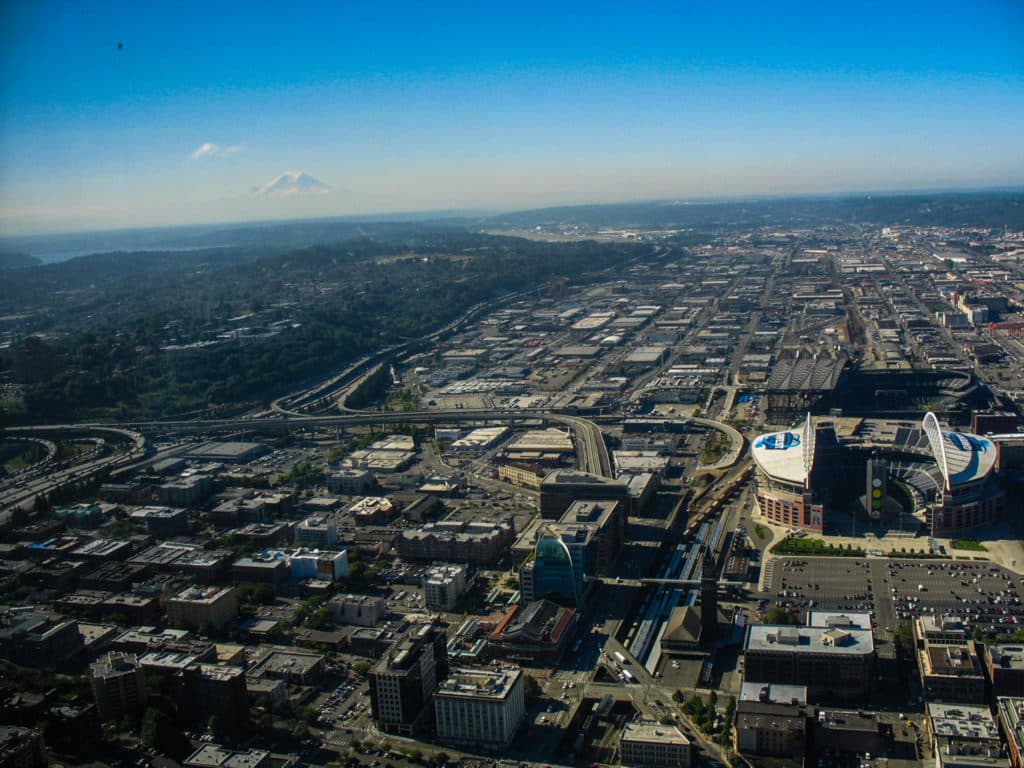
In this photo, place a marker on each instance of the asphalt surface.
(895, 590)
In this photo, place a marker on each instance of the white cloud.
(209, 149)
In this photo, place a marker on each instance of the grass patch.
(759, 532)
(904, 495)
(815, 548)
(715, 447)
(18, 454)
(969, 544)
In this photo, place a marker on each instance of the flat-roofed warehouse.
(543, 440)
(228, 452)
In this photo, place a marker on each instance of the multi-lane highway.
(591, 448)
(49, 476)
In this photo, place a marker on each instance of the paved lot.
(898, 590)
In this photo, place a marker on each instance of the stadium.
(876, 469)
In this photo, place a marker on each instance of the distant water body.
(56, 256)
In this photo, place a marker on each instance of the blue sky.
(429, 106)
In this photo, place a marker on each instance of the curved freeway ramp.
(592, 453)
(24, 493)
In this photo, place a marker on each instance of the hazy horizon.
(125, 116)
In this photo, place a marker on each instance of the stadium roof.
(806, 374)
(786, 455)
(961, 457)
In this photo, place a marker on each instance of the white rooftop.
(784, 455)
(962, 457)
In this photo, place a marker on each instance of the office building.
(359, 610)
(652, 745)
(964, 736)
(33, 640)
(119, 687)
(1010, 714)
(561, 487)
(951, 673)
(216, 756)
(211, 690)
(443, 585)
(834, 663)
(316, 531)
(321, 566)
(458, 541)
(207, 607)
(569, 554)
(946, 630)
(478, 707)
(295, 667)
(402, 682)
(350, 481)
(771, 720)
(1004, 667)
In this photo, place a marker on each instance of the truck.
(620, 658)
(627, 677)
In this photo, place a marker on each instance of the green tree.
(905, 639)
(777, 615)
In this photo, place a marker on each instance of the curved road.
(24, 493)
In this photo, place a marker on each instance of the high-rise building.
(209, 690)
(443, 585)
(480, 707)
(560, 488)
(570, 553)
(403, 681)
(119, 686)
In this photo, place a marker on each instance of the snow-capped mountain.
(292, 184)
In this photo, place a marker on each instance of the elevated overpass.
(592, 453)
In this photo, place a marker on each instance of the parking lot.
(898, 590)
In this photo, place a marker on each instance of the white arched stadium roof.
(961, 457)
(787, 455)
